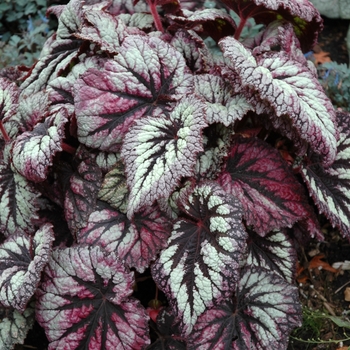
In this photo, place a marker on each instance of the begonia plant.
(156, 141)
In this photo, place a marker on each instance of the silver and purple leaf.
(330, 186)
(260, 315)
(270, 194)
(114, 190)
(18, 201)
(304, 17)
(222, 105)
(291, 90)
(137, 242)
(15, 325)
(22, 259)
(143, 79)
(34, 150)
(159, 151)
(81, 196)
(8, 99)
(275, 252)
(103, 29)
(84, 302)
(205, 251)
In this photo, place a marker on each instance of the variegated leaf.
(81, 195)
(145, 76)
(158, 151)
(275, 252)
(222, 105)
(205, 251)
(114, 190)
(330, 186)
(14, 326)
(260, 315)
(271, 196)
(84, 302)
(103, 29)
(137, 242)
(304, 17)
(18, 201)
(8, 99)
(33, 151)
(22, 259)
(291, 90)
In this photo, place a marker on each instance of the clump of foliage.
(133, 146)
(23, 31)
(335, 79)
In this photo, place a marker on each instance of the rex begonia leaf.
(222, 105)
(22, 259)
(69, 20)
(216, 141)
(168, 332)
(18, 201)
(60, 55)
(193, 48)
(143, 78)
(330, 186)
(103, 29)
(136, 242)
(158, 151)
(271, 196)
(14, 326)
(114, 190)
(205, 252)
(84, 302)
(290, 89)
(214, 22)
(31, 110)
(304, 17)
(275, 252)
(127, 6)
(33, 151)
(81, 196)
(260, 315)
(8, 99)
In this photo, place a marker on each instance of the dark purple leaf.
(81, 196)
(291, 90)
(222, 105)
(14, 326)
(304, 17)
(137, 242)
(213, 22)
(114, 190)
(168, 332)
(145, 76)
(205, 251)
(84, 302)
(274, 252)
(22, 259)
(158, 151)
(261, 315)
(18, 200)
(33, 151)
(271, 196)
(330, 187)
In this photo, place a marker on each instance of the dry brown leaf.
(347, 294)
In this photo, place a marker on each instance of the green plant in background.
(314, 321)
(23, 31)
(335, 79)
